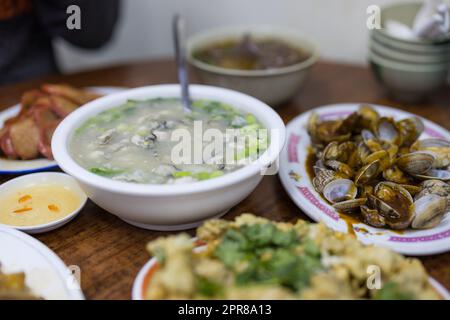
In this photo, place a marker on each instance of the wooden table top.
(110, 252)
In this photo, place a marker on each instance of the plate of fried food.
(379, 173)
(255, 258)
(30, 270)
(26, 129)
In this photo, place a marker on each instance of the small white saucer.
(45, 177)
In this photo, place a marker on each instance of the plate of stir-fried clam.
(377, 172)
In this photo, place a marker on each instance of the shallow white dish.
(297, 183)
(39, 178)
(46, 274)
(170, 207)
(142, 280)
(9, 166)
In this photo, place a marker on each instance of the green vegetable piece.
(232, 248)
(259, 234)
(105, 172)
(264, 254)
(208, 288)
(160, 255)
(311, 248)
(392, 291)
(202, 175)
(180, 174)
(108, 116)
(250, 119)
(122, 127)
(251, 128)
(284, 238)
(216, 174)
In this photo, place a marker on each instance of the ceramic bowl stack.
(410, 69)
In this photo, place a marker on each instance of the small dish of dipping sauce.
(40, 202)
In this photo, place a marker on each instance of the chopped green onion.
(181, 174)
(105, 172)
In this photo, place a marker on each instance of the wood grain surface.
(111, 252)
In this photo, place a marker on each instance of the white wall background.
(338, 27)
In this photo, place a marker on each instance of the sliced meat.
(42, 114)
(62, 106)
(47, 121)
(5, 138)
(45, 139)
(24, 136)
(30, 97)
(10, 121)
(6, 144)
(77, 96)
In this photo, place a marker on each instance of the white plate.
(8, 166)
(46, 274)
(295, 180)
(62, 179)
(145, 274)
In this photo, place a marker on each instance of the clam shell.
(393, 202)
(370, 140)
(331, 151)
(436, 174)
(428, 211)
(363, 151)
(387, 131)
(340, 190)
(430, 143)
(394, 174)
(392, 218)
(346, 151)
(410, 129)
(436, 187)
(323, 132)
(365, 190)
(367, 135)
(393, 186)
(322, 178)
(340, 167)
(349, 205)
(382, 156)
(439, 147)
(416, 162)
(372, 217)
(368, 116)
(313, 121)
(412, 189)
(367, 173)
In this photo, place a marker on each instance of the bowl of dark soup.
(269, 63)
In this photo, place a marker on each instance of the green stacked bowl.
(410, 69)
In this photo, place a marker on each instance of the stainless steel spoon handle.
(178, 28)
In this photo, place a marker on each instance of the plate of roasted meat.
(26, 128)
(379, 173)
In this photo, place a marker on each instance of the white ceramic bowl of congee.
(170, 206)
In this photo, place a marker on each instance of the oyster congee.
(154, 141)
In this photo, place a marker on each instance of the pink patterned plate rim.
(296, 181)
